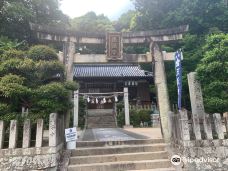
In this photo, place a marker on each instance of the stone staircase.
(144, 155)
(101, 118)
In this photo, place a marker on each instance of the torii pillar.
(68, 60)
(161, 87)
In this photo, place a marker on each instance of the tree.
(35, 81)
(15, 16)
(212, 72)
(91, 22)
(125, 21)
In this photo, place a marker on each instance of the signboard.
(71, 134)
(114, 46)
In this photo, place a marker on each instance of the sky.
(110, 8)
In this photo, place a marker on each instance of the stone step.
(118, 149)
(100, 113)
(118, 157)
(114, 143)
(121, 166)
(100, 121)
(90, 126)
(159, 169)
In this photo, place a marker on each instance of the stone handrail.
(186, 128)
(55, 133)
(31, 156)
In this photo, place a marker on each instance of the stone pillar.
(196, 98)
(39, 132)
(52, 130)
(26, 134)
(70, 61)
(126, 108)
(207, 127)
(2, 134)
(218, 125)
(225, 115)
(185, 134)
(76, 106)
(13, 134)
(162, 90)
(69, 52)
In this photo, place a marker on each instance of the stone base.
(127, 126)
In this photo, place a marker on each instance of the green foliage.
(12, 54)
(71, 85)
(15, 16)
(81, 113)
(213, 73)
(201, 15)
(4, 108)
(91, 22)
(7, 45)
(42, 52)
(125, 21)
(136, 117)
(11, 86)
(52, 97)
(38, 85)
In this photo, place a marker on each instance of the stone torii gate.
(114, 43)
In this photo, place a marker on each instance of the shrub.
(42, 52)
(12, 54)
(136, 116)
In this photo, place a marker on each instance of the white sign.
(71, 134)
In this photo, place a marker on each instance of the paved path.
(153, 133)
(110, 134)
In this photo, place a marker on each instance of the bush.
(42, 52)
(136, 116)
(12, 54)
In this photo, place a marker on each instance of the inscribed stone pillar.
(218, 125)
(126, 107)
(2, 133)
(70, 61)
(76, 106)
(13, 134)
(185, 134)
(69, 52)
(207, 127)
(26, 134)
(162, 90)
(39, 132)
(196, 98)
(52, 130)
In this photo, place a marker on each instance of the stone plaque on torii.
(114, 53)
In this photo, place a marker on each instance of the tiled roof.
(109, 70)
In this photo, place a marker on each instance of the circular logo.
(176, 160)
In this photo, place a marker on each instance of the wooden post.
(39, 132)
(2, 134)
(52, 130)
(76, 106)
(218, 125)
(26, 134)
(13, 134)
